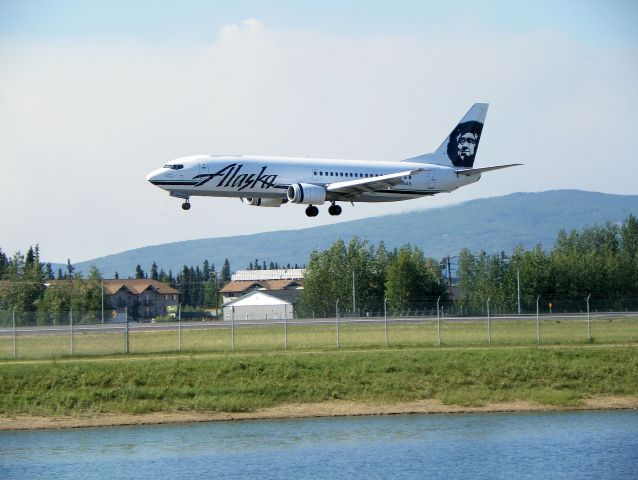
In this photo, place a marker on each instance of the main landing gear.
(312, 211)
(333, 210)
(186, 205)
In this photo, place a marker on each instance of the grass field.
(239, 382)
(324, 337)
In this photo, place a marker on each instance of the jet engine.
(264, 202)
(306, 193)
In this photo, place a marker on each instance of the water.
(535, 445)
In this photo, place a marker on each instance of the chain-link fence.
(429, 323)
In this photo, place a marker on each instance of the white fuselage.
(269, 177)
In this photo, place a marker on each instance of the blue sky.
(587, 20)
(94, 95)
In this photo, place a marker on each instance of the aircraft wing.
(477, 171)
(371, 184)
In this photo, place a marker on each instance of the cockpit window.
(173, 166)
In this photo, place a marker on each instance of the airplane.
(262, 181)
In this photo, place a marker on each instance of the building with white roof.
(257, 306)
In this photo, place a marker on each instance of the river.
(579, 445)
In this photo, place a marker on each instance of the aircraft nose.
(154, 175)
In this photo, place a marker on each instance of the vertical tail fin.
(460, 147)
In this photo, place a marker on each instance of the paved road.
(173, 326)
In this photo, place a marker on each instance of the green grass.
(247, 381)
(323, 336)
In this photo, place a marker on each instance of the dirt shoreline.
(310, 410)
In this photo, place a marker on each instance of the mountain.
(491, 224)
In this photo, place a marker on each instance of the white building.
(257, 306)
(285, 284)
(281, 274)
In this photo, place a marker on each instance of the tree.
(206, 270)
(4, 261)
(412, 280)
(139, 273)
(154, 272)
(226, 274)
(629, 237)
(329, 277)
(69, 269)
(48, 272)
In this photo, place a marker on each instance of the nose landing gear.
(186, 205)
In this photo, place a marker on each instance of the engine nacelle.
(306, 193)
(265, 202)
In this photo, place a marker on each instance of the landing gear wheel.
(312, 211)
(334, 209)
(186, 206)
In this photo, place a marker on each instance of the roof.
(277, 274)
(256, 298)
(239, 286)
(138, 286)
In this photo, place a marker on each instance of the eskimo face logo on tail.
(463, 143)
(230, 176)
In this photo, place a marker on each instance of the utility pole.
(354, 298)
(518, 287)
(449, 276)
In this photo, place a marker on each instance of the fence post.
(285, 326)
(489, 324)
(588, 320)
(179, 327)
(337, 320)
(538, 322)
(15, 351)
(385, 320)
(438, 321)
(71, 325)
(232, 328)
(102, 289)
(126, 344)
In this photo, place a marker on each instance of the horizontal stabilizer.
(477, 171)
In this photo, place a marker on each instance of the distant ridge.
(491, 224)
